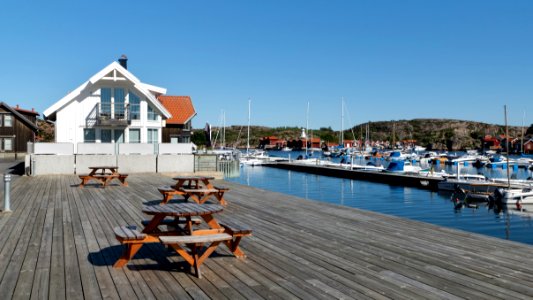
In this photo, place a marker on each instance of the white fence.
(60, 158)
(110, 148)
(53, 148)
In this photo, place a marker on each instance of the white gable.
(114, 72)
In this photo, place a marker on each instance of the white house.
(113, 106)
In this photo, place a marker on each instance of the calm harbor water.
(411, 203)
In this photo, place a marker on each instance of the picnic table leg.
(152, 226)
(193, 258)
(220, 197)
(204, 198)
(127, 255)
(233, 246)
(196, 265)
(84, 181)
(211, 222)
(207, 183)
(194, 197)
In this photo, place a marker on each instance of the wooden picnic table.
(193, 181)
(101, 175)
(198, 188)
(112, 169)
(194, 239)
(186, 211)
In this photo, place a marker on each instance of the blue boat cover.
(396, 166)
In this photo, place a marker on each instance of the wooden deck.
(58, 243)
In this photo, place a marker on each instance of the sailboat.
(510, 195)
(252, 158)
(303, 136)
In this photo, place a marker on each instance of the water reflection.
(421, 205)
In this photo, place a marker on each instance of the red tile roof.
(26, 111)
(180, 107)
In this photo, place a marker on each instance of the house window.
(8, 120)
(135, 135)
(151, 114)
(174, 139)
(118, 136)
(89, 135)
(135, 107)
(105, 135)
(105, 102)
(119, 103)
(153, 136)
(7, 144)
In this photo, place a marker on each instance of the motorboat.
(469, 158)
(429, 172)
(524, 162)
(251, 162)
(419, 148)
(475, 183)
(516, 196)
(500, 160)
(469, 182)
(368, 167)
(400, 166)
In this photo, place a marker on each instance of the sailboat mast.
(342, 123)
(248, 139)
(223, 129)
(306, 127)
(522, 140)
(361, 141)
(507, 146)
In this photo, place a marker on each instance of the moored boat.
(516, 196)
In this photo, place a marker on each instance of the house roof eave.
(142, 87)
(20, 116)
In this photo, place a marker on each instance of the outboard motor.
(498, 195)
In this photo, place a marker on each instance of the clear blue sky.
(390, 60)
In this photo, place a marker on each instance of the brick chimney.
(123, 61)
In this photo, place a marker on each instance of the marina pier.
(58, 243)
(423, 182)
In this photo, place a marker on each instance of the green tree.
(530, 129)
(198, 138)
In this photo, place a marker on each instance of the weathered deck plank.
(58, 243)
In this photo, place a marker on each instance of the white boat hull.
(517, 196)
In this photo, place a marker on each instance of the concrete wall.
(52, 164)
(83, 162)
(175, 163)
(137, 163)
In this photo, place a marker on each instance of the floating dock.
(423, 182)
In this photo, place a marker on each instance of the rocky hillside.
(439, 133)
(432, 133)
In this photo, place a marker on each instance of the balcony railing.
(114, 114)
